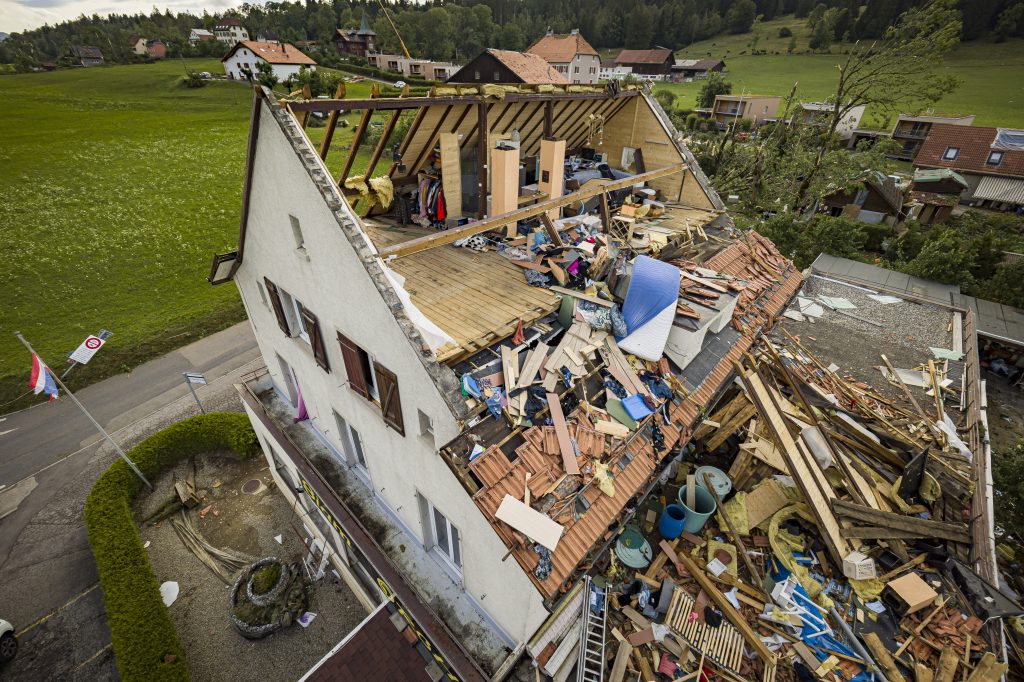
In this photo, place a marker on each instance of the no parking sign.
(87, 349)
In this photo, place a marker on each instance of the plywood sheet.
(530, 522)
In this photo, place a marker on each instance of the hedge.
(145, 642)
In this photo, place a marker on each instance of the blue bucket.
(671, 523)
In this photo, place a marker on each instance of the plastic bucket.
(672, 521)
(705, 507)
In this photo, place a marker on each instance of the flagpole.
(86, 413)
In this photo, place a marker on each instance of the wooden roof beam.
(448, 236)
(327, 105)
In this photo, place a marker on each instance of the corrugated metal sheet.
(1010, 190)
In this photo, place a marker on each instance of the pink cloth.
(301, 414)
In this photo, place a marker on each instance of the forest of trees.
(458, 29)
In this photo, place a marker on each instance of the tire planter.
(247, 630)
(271, 595)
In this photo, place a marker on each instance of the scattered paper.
(279, 539)
(876, 606)
(887, 300)
(945, 353)
(837, 303)
(305, 619)
(146, 544)
(733, 599)
(716, 567)
(169, 592)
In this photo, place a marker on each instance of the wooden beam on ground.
(751, 637)
(883, 657)
(332, 122)
(562, 431)
(357, 139)
(900, 522)
(494, 222)
(549, 225)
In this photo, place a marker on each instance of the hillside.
(992, 73)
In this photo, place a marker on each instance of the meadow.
(118, 185)
(992, 74)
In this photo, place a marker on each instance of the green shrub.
(264, 579)
(141, 630)
(876, 236)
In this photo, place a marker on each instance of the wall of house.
(579, 69)
(331, 281)
(636, 126)
(245, 57)
(485, 68)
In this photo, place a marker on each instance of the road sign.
(87, 349)
(195, 378)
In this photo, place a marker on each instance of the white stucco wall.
(584, 62)
(244, 56)
(334, 285)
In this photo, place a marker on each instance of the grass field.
(992, 73)
(118, 185)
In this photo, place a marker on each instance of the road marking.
(60, 608)
(4, 433)
(92, 658)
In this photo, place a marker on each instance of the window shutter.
(353, 367)
(275, 302)
(390, 403)
(315, 339)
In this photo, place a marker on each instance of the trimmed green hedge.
(145, 642)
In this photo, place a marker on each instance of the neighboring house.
(506, 66)
(229, 31)
(87, 55)
(611, 71)
(200, 35)
(412, 68)
(156, 49)
(933, 194)
(138, 44)
(571, 54)
(284, 58)
(696, 69)
(377, 347)
(266, 36)
(358, 42)
(911, 130)
(877, 199)
(754, 108)
(991, 161)
(820, 113)
(655, 62)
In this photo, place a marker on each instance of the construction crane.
(394, 28)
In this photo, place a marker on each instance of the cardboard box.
(859, 566)
(908, 594)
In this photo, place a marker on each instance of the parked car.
(8, 642)
(205, 74)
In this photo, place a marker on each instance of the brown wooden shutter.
(357, 378)
(315, 339)
(275, 302)
(390, 402)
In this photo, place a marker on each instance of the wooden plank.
(883, 657)
(730, 427)
(534, 360)
(552, 231)
(564, 442)
(538, 527)
(449, 236)
(357, 138)
(751, 637)
(332, 122)
(582, 296)
(621, 660)
(451, 174)
(895, 521)
(611, 428)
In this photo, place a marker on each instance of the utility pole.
(95, 423)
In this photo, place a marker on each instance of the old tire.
(8, 647)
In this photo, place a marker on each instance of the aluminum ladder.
(591, 664)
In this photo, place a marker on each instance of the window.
(476, 75)
(295, 319)
(426, 425)
(300, 242)
(497, 76)
(951, 153)
(446, 538)
(351, 443)
(994, 158)
(373, 381)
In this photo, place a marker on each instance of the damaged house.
(506, 396)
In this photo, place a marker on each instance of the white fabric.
(648, 340)
(432, 334)
(169, 592)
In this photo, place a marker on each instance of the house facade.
(820, 113)
(876, 199)
(611, 71)
(157, 49)
(571, 55)
(362, 398)
(138, 44)
(199, 35)
(357, 42)
(284, 58)
(412, 68)
(753, 108)
(933, 195)
(507, 66)
(990, 160)
(911, 130)
(87, 55)
(654, 62)
(230, 30)
(696, 69)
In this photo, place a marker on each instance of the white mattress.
(648, 340)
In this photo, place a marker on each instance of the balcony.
(913, 134)
(432, 583)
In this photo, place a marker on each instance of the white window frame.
(999, 158)
(452, 554)
(300, 239)
(299, 329)
(947, 156)
(352, 446)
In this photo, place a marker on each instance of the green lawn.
(118, 185)
(992, 73)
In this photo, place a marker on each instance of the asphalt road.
(49, 459)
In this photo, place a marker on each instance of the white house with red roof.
(284, 58)
(571, 55)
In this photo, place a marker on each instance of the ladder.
(591, 664)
